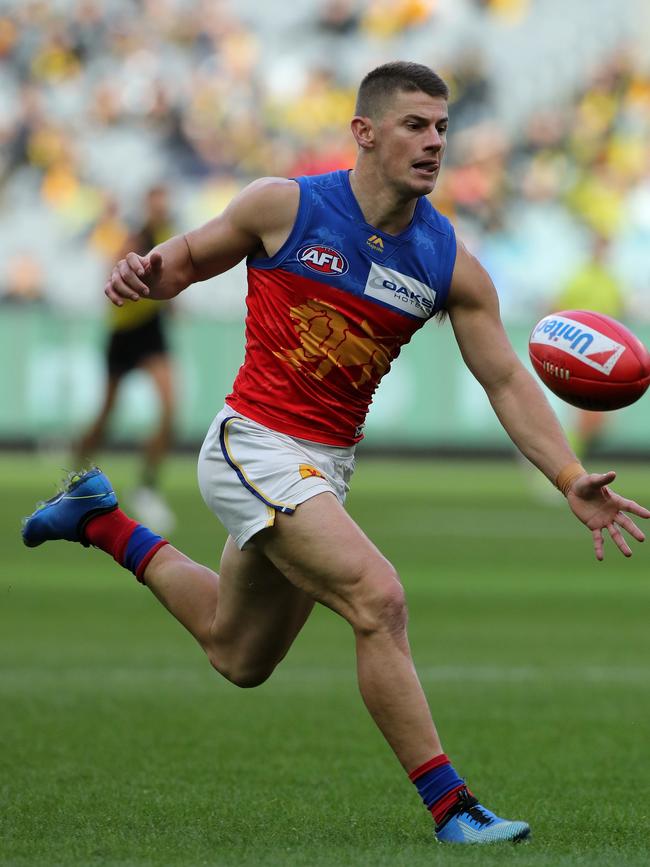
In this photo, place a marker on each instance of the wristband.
(567, 476)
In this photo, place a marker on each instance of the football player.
(343, 269)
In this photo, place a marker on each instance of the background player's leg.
(93, 437)
(146, 501)
(160, 370)
(245, 618)
(322, 551)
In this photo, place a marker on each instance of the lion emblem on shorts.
(328, 342)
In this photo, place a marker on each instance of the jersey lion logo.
(328, 342)
(324, 260)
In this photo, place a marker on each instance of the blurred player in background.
(138, 341)
(592, 286)
(343, 268)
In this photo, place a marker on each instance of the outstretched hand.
(133, 277)
(599, 508)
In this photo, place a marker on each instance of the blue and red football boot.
(467, 821)
(65, 515)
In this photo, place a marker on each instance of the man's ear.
(363, 132)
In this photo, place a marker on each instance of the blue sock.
(141, 547)
(437, 783)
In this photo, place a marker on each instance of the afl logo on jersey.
(325, 260)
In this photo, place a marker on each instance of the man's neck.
(380, 205)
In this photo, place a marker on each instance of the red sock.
(111, 533)
(438, 785)
(440, 809)
(130, 544)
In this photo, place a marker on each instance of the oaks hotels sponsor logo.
(580, 341)
(400, 291)
(324, 260)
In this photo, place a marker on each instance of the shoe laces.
(468, 804)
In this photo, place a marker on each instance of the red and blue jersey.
(330, 311)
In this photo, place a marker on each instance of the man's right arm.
(258, 218)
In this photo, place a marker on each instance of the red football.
(589, 360)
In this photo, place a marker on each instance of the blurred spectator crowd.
(102, 100)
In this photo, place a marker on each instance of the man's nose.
(434, 140)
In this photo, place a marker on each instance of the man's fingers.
(635, 508)
(629, 525)
(135, 263)
(592, 483)
(619, 539)
(127, 277)
(121, 288)
(603, 479)
(126, 283)
(112, 295)
(597, 506)
(155, 260)
(598, 543)
(130, 277)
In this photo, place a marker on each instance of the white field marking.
(528, 674)
(26, 680)
(498, 674)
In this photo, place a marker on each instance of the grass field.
(119, 745)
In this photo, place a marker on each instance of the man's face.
(410, 140)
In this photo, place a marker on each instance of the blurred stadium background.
(100, 101)
(118, 745)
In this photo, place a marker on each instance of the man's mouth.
(426, 166)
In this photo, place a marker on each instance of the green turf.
(119, 745)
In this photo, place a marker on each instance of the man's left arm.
(523, 410)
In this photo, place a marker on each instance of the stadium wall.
(52, 371)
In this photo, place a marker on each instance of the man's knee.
(239, 672)
(381, 606)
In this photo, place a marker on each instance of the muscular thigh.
(259, 610)
(322, 551)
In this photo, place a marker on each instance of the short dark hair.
(382, 82)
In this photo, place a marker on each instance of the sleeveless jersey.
(330, 311)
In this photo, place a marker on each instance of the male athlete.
(342, 269)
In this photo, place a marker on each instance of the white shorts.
(248, 472)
